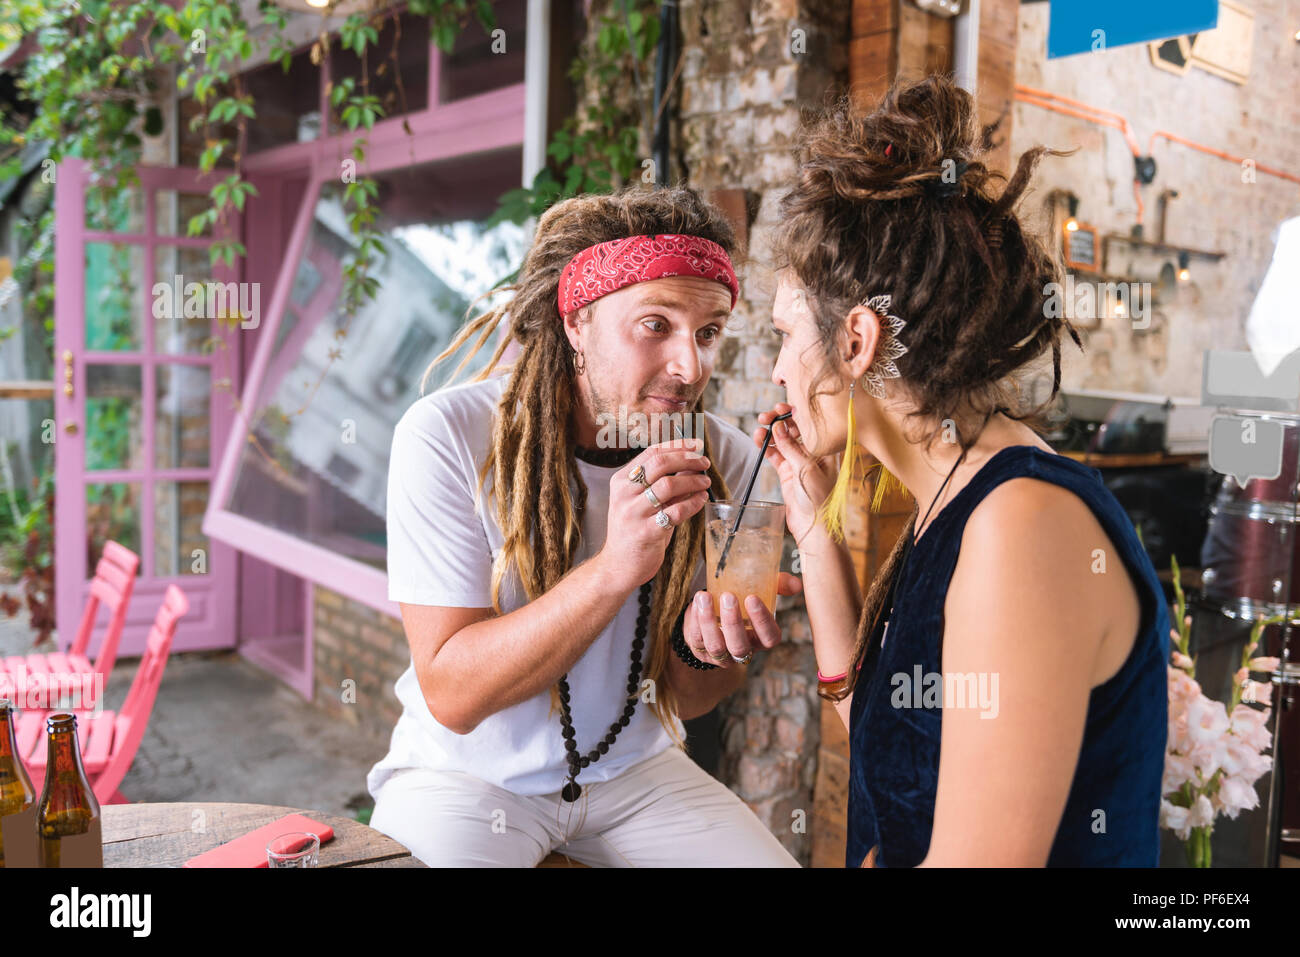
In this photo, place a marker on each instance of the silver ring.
(661, 519)
(637, 476)
(654, 499)
(744, 660)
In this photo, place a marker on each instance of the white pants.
(666, 811)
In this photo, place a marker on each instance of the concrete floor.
(224, 730)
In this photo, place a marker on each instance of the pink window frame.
(486, 121)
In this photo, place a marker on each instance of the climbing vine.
(99, 80)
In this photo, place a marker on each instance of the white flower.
(1202, 813)
(1207, 723)
(1179, 770)
(1251, 725)
(1174, 818)
(1235, 796)
(1256, 692)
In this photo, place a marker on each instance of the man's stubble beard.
(604, 409)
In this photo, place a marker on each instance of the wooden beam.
(995, 80)
(26, 389)
(873, 49)
(925, 42)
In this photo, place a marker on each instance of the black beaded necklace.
(572, 790)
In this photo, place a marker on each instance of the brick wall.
(1215, 209)
(354, 642)
(748, 67)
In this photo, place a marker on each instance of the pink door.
(145, 381)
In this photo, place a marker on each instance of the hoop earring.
(579, 369)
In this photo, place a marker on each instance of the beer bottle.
(16, 794)
(67, 817)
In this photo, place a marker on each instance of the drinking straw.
(749, 487)
(678, 429)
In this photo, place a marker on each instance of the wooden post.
(995, 81)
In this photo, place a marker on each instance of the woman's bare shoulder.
(1041, 546)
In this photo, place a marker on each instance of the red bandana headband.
(601, 269)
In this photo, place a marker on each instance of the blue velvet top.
(894, 751)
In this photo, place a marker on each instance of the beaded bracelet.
(684, 651)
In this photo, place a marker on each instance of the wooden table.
(167, 835)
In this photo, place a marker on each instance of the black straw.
(749, 487)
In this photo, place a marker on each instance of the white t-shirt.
(440, 552)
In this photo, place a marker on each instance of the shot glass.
(295, 849)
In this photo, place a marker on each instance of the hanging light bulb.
(330, 8)
(1072, 223)
(1184, 274)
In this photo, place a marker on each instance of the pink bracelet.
(826, 681)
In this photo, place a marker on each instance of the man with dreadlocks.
(534, 564)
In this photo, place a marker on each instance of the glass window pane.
(114, 208)
(115, 300)
(181, 438)
(474, 66)
(402, 54)
(322, 427)
(173, 211)
(179, 545)
(287, 104)
(114, 438)
(176, 333)
(112, 512)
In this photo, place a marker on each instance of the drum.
(1251, 554)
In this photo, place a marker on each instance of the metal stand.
(1286, 677)
(1286, 682)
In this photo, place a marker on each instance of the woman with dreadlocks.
(543, 576)
(1018, 621)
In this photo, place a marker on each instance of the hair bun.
(919, 140)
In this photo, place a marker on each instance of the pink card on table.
(249, 850)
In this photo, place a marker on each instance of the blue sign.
(1083, 26)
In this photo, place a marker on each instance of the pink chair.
(112, 586)
(109, 740)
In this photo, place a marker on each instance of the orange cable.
(1220, 153)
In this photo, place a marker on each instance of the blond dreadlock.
(539, 519)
